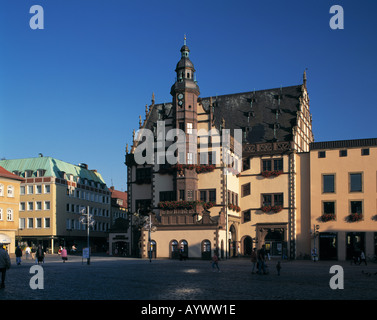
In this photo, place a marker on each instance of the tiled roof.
(9, 175)
(265, 115)
(357, 143)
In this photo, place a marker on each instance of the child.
(278, 267)
(215, 262)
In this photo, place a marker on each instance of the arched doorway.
(247, 245)
(174, 249)
(232, 241)
(206, 249)
(183, 250)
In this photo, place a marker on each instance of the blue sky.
(75, 90)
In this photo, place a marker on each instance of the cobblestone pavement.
(114, 278)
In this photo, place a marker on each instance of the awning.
(4, 239)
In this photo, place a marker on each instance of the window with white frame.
(189, 158)
(47, 222)
(10, 191)
(38, 205)
(189, 128)
(47, 205)
(38, 189)
(22, 206)
(30, 206)
(1, 214)
(1, 190)
(30, 223)
(38, 223)
(30, 189)
(47, 188)
(22, 223)
(22, 190)
(9, 214)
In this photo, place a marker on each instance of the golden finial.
(184, 40)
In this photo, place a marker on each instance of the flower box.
(198, 168)
(183, 205)
(327, 217)
(354, 217)
(274, 209)
(274, 173)
(234, 207)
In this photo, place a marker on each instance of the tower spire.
(184, 40)
(304, 77)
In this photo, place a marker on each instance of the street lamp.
(151, 228)
(89, 221)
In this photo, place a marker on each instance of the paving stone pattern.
(115, 278)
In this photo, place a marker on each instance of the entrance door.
(247, 246)
(328, 246)
(183, 251)
(174, 250)
(274, 242)
(206, 250)
(355, 244)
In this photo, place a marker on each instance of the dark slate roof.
(256, 112)
(339, 144)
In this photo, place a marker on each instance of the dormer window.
(41, 172)
(28, 173)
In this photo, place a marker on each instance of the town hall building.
(223, 197)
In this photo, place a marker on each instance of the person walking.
(40, 255)
(215, 262)
(18, 253)
(27, 251)
(4, 265)
(64, 254)
(254, 259)
(261, 260)
(362, 258)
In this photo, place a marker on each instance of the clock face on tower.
(180, 96)
(180, 102)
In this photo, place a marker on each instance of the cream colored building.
(343, 198)
(9, 204)
(251, 198)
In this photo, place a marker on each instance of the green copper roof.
(54, 168)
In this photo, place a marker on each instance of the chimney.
(83, 165)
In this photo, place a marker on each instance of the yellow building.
(54, 198)
(9, 205)
(343, 198)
